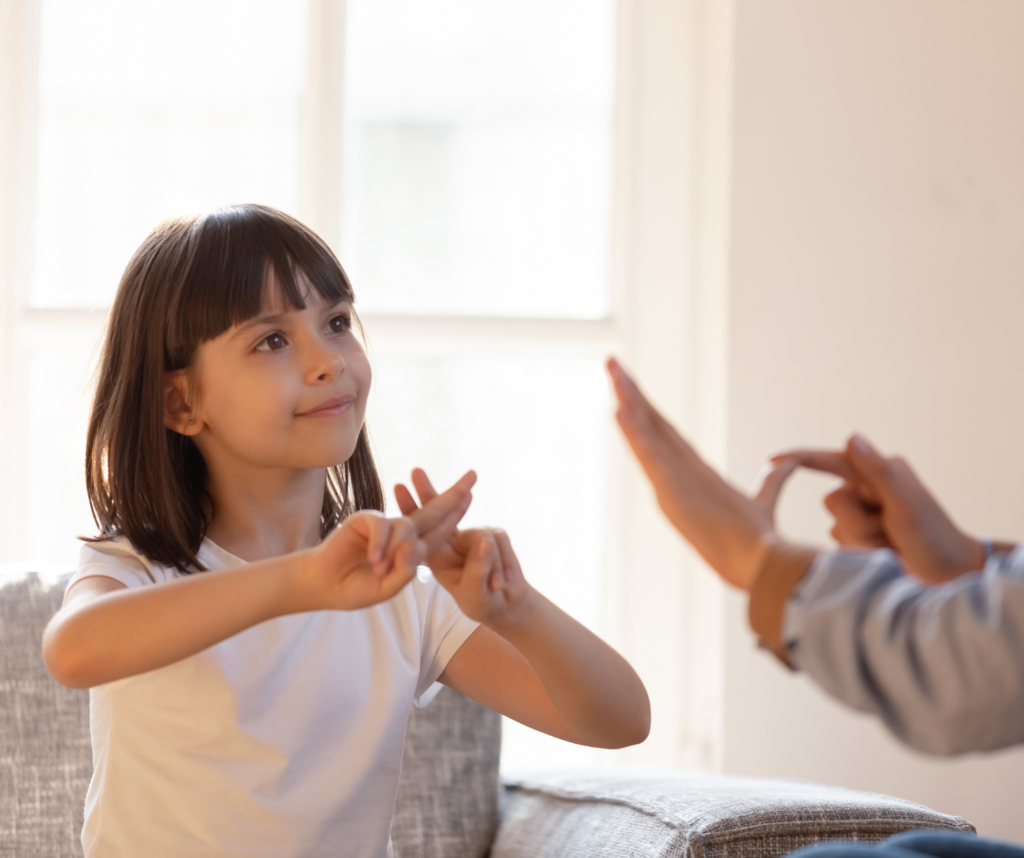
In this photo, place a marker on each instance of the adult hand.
(882, 503)
(731, 531)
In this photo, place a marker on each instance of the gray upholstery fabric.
(45, 753)
(447, 798)
(447, 803)
(616, 814)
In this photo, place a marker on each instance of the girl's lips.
(330, 408)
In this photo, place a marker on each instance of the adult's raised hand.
(731, 530)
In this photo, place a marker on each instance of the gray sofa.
(450, 801)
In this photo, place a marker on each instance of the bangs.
(233, 254)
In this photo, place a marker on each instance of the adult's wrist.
(783, 567)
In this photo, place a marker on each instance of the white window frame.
(668, 271)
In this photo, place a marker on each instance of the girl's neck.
(266, 514)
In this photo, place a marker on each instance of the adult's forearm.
(941, 665)
(132, 631)
(593, 687)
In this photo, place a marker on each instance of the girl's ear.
(178, 415)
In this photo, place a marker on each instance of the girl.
(252, 629)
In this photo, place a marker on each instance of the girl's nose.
(325, 364)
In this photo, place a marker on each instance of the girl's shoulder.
(116, 558)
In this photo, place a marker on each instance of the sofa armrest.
(630, 812)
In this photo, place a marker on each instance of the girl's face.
(286, 389)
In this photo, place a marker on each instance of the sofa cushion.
(447, 797)
(447, 803)
(628, 813)
(45, 752)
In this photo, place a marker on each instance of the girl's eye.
(339, 324)
(271, 343)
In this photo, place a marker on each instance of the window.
(497, 179)
(478, 202)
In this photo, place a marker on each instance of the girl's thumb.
(484, 549)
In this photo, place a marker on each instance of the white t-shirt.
(284, 740)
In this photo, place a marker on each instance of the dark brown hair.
(191, 280)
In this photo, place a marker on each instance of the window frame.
(668, 264)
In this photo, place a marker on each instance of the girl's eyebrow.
(275, 318)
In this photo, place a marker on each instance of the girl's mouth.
(329, 408)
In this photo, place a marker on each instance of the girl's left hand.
(478, 567)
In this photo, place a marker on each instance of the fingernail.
(860, 444)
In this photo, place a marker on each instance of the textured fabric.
(943, 666)
(448, 793)
(284, 740)
(622, 815)
(917, 844)
(45, 757)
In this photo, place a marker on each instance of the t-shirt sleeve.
(118, 560)
(445, 629)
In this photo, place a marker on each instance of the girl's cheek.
(359, 366)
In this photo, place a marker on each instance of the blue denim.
(915, 844)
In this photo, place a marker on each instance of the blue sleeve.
(943, 666)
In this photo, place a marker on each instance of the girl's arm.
(530, 660)
(106, 631)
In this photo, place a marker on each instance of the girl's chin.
(327, 458)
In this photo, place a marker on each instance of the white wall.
(877, 283)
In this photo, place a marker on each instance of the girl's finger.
(407, 558)
(403, 531)
(444, 529)
(437, 508)
(406, 502)
(424, 488)
(377, 531)
(509, 562)
(480, 561)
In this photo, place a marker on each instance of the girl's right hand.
(369, 558)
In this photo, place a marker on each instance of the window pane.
(58, 410)
(535, 428)
(477, 156)
(153, 109)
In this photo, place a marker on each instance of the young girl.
(252, 630)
